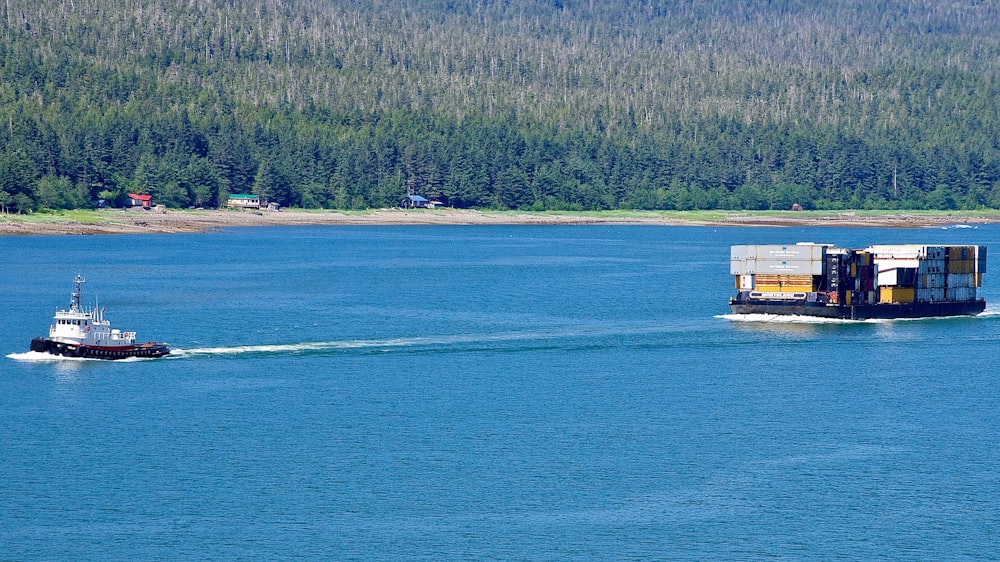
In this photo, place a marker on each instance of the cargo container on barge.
(898, 281)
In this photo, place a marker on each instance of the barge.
(877, 282)
(80, 332)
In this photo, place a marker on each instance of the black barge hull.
(858, 312)
(149, 350)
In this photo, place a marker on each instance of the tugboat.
(85, 333)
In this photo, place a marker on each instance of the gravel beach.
(166, 221)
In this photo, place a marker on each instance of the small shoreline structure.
(877, 282)
(85, 333)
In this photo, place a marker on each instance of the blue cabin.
(414, 202)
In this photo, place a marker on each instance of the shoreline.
(160, 221)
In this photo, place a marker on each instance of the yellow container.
(961, 266)
(798, 280)
(768, 288)
(961, 252)
(785, 283)
(896, 294)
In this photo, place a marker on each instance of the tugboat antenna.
(74, 303)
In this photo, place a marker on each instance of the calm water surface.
(486, 393)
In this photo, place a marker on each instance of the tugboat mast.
(74, 303)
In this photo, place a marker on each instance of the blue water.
(486, 393)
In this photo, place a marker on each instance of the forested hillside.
(562, 104)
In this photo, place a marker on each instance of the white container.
(898, 251)
(742, 253)
(893, 263)
(786, 252)
(887, 278)
(908, 251)
(786, 267)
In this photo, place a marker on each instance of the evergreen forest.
(505, 104)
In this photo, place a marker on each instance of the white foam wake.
(39, 357)
(792, 319)
(397, 343)
(292, 347)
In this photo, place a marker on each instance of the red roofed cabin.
(144, 201)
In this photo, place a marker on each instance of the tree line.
(520, 104)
